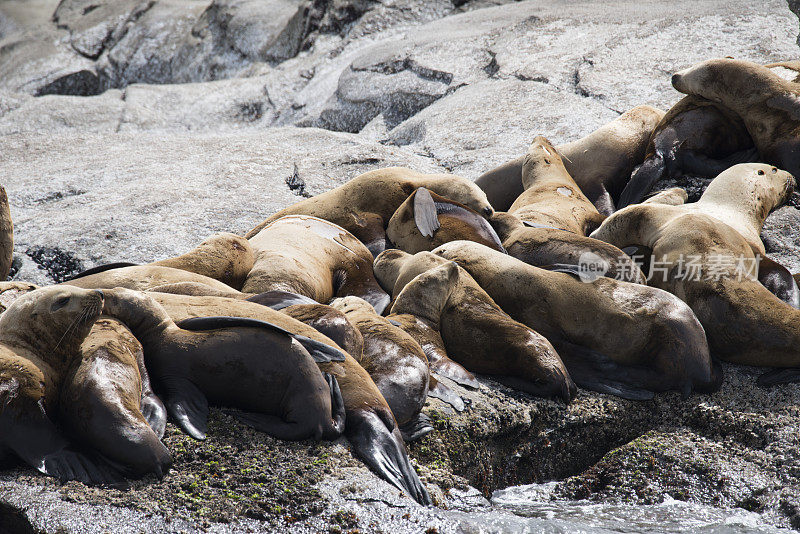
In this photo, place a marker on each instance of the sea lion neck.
(140, 313)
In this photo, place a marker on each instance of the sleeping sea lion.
(40, 337)
(426, 220)
(315, 258)
(143, 277)
(614, 337)
(600, 163)
(364, 205)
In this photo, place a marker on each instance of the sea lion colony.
(342, 313)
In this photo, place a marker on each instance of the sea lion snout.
(488, 211)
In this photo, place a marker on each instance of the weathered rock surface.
(200, 111)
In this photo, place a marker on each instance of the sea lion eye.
(60, 303)
(761, 172)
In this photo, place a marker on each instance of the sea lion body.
(365, 204)
(613, 336)
(476, 332)
(103, 398)
(225, 257)
(744, 322)
(426, 220)
(315, 258)
(600, 163)
(144, 277)
(551, 196)
(696, 136)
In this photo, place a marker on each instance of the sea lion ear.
(425, 216)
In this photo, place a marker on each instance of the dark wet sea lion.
(475, 331)
(548, 246)
(369, 426)
(697, 137)
(426, 220)
(395, 362)
(600, 163)
(551, 196)
(40, 337)
(247, 364)
(614, 337)
(315, 258)
(6, 236)
(104, 397)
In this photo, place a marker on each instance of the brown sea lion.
(476, 332)
(40, 337)
(6, 236)
(276, 380)
(543, 247)
(551, 196)
(768, 104)
(614, 337)
(396, 364)
(744, 322)
(369, 425)
(364, 205)
(600, 163)
(315, 258)
(426, 220)
(697, 137)
(10, 291)
(144, 277)
(104, 398)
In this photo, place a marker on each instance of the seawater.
(523, 509)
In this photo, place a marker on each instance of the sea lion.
(6, 236)
(600, 163)
(396, 364)
(369, 425)
(614, 337)
(104, 397)
(144, 277)
(551, 196)
(542, 247)
(40, 336)
(315, 258)
(277, 383)
(10, 291)
(792, 65)
(426, 220)
(744, 322)
(697, 137)
(364, 205)
(768, 104)
(476, 332)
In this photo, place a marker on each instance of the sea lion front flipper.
(642, 181)
(779, 376)
(455, 372)
(101, 269)
(384, 451)
(320, 352)
(438, 390)
(779, 281)
(416, 428)
(278, 300)
(425, 216)
(155, 413)
(187, 405)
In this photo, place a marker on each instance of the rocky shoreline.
(158, 153)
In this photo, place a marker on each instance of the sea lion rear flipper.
(779, 281)
(187, 405)
(155, 413)
(384, 452)
(455, 372)
(101, 269)
(779, 376)
(425, 216)
(337, 409)
(416, 428)
(321, 352)
(642, 181)
(437, 390)
(278, 300)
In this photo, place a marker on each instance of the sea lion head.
(745, 183)
(462, 191)
(52, 321)
(719, 79)
(504, 223)
(387, 267)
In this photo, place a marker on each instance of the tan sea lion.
(40, 337)
(426, 220)
(315, 258)
(144, 277)
(697, 137)
(369, 425)
(105, 396)
(6, 236)
(396, 364)
(476, 332)
(768, 104)
(614, 337)
(600, 163)
(544, 247)
(364, 205)
(707, 262)
(551, 196)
